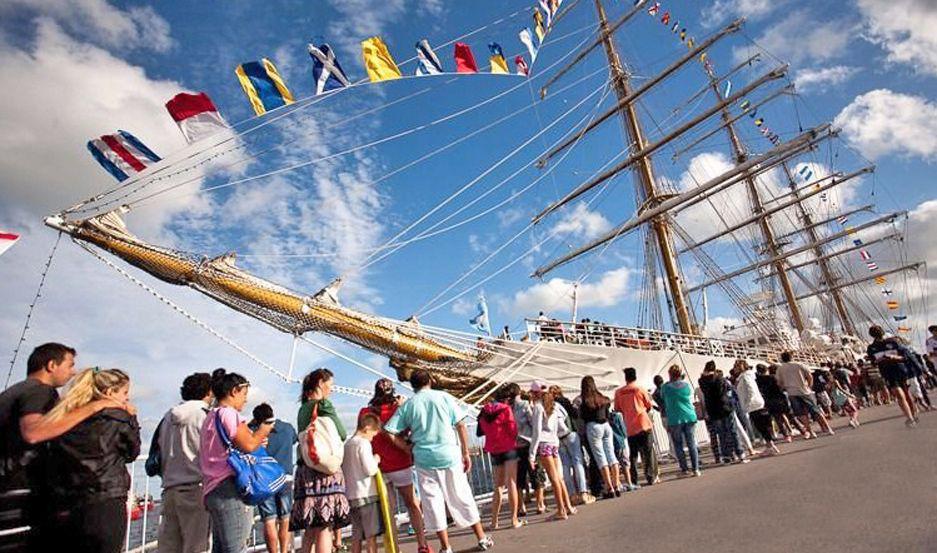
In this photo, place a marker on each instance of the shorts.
(366, 520)
(823, 398)
(400, 478)
(779, 406)
(548, 450)
(803, 406)
(498, 459)
(279, 505)
(894, 375)
(443, 490)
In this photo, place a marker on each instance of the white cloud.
(821, 78)
(882, 122)
(905, 29)
(580, 222)
(104, 93)
(722, 10)
(361, 19)
(556, 293)
(799, 38)
(100, 22)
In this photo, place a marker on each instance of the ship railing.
(605, 335)
(141, 534)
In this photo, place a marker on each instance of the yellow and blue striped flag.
(263, 85)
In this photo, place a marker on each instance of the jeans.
(571, 457)
(601, 443)
(725, 429)
(683, 434)
(230, 519)
(641, 446)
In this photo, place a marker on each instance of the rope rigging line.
(432, 230)
(368, 260)
(32, 307)
(424, 157)
(426, 310)
(306, 163)
(204, 326)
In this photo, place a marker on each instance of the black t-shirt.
(17, 458)
(597, 414)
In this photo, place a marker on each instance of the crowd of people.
(67, 456)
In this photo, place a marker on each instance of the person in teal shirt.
(439, 441)
(681, 419)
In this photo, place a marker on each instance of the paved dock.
(871, 489)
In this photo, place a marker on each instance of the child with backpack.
(360, 465)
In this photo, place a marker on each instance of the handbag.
(257, 475)
(320, 445)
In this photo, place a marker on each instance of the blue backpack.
(257, 475)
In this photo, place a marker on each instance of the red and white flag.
(7, 239)
(866, 256)
(196, 115)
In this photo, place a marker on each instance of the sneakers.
(588, 499)
(446, 550)
(485, 543)
(697, 473)
(427, 549)
(910, 423)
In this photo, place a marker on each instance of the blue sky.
(90, 67)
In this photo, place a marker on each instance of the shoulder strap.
(221, 430)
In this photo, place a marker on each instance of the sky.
(452, 154)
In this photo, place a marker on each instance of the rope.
(29, 314)
(358, 392)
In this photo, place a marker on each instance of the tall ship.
(794, 250)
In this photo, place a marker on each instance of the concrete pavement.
(870, 489)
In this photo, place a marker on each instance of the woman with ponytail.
(319, 503)
(87, 473)
(230, 517)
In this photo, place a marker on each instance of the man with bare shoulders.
(24, 432)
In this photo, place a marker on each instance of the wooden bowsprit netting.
(405, 345)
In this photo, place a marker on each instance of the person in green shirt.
(319, 503)
(681, 419)
(441, 456)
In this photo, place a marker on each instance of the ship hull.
(565, 364)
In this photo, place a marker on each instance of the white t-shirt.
(931, 345)
(359, 467)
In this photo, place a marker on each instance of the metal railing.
(141, 533)
(650, 340)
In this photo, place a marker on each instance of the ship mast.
(829, 279)
(772, 248)
(645, 175)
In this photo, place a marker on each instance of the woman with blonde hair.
(87, 474)
(545, 445)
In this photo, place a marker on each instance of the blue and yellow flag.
(378, 61)
(498, 63)
(263, 85)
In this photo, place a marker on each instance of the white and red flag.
(196, 115)
(7, 239)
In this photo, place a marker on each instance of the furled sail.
(403, 343)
